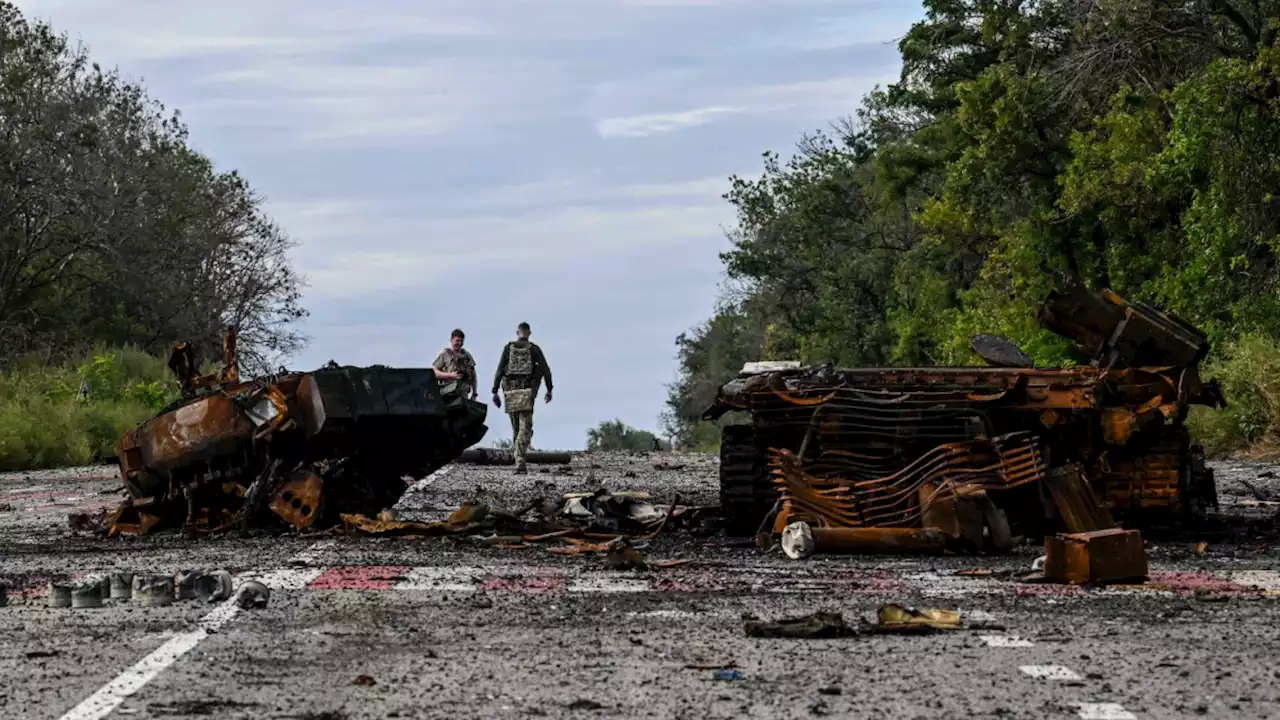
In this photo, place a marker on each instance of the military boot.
(521, 467)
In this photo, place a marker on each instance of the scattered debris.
(623, 556)
(365, 681)
(896, 618)
(891, 618)
(1103, 556)
(89, 522)
(494, 456)
(153, 590)
(60, 594)
(252, 594)
(214, 587)
(797, 541)
(121, 585)
(583, 704)
(711, 666)
(87, 595)
(816, 625)
(35, 654)
(727, 675)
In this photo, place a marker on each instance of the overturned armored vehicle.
(295, 449)
(982, 454)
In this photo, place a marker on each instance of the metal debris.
(293, 449)
(975, 452)
(1104, 556)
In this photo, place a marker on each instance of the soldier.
(455, 364)
(521, 370)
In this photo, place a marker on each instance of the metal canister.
(153, 590)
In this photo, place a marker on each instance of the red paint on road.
(359, 577)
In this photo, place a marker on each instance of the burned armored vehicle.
(290, 449)
(1020, 451)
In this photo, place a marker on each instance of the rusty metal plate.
(298, 501)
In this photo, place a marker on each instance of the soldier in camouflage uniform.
(455, 365)
(521, 370)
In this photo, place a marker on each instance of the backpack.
(520, 360)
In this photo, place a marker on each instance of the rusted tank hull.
(854, 447)
(300, 448)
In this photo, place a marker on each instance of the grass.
(46, 422)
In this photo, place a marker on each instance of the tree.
(615, 435)
(112, 229)
(1131, 144)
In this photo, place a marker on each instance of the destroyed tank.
(291, 449)
(1047, 449)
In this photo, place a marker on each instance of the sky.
(478, 163)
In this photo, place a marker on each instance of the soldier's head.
(455, 340)
(522, 331)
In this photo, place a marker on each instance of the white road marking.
(311, 555)
(290, 578)
(442, 579)
(1104, 711)
(978, 616)
(110, 696)
(424, 482)
(1261, 579)
(1049, 672)
(608, 584)
(1004, 641)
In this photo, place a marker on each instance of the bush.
(1249, 372)
(615, 435)
(45, 421)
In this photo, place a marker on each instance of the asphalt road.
(377, 628)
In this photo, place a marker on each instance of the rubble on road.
(890, 619)
(495, 456)
(979, 459)
(292, 449)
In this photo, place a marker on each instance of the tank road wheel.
(746, 493)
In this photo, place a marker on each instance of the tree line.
(1133, 144)
(113, 230)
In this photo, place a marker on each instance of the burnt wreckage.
(912, 457)
(292, 449)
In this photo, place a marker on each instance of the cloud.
(348, 253)
(454, 163)
(642, 125)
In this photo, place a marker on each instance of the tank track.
(746, 492)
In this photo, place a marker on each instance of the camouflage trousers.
(522, 430)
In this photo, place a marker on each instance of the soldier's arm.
(502, 368)
(542, 363)
(439, 361)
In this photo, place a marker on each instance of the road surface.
(434, 628)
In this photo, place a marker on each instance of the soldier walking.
(521, 370)
(454, 364)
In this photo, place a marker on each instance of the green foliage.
(1249, 372)
(614, 435)
(1134, 146)
(46, 422)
